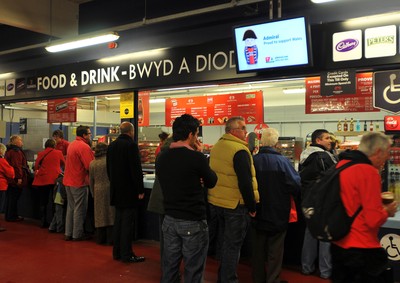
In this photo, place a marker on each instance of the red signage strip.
(215, 110)
(61, 110)
(361, 101)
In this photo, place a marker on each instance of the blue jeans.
(188, 240)
(234, 224)
(310, 252)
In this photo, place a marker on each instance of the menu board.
(360, 101)
(217, 109)
(61, 110)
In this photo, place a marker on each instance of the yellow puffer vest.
(226, 193)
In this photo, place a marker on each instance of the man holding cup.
(359, 257)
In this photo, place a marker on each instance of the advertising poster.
(360, 101)
(126, 106)
(61, 110)
(217, 109)
(144, 109)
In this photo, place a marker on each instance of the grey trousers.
(76, 211)
(267, 247)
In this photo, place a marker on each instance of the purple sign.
(346, 45)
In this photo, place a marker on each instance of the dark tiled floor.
(30, 254)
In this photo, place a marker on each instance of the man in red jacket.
(359, 257)
(76, 182)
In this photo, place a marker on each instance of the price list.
(216, 109)
(361, 101)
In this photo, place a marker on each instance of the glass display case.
(290, 147)
(147, 151)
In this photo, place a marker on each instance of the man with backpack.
(359, 257)
(315, 160)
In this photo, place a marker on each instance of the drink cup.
(387, 197)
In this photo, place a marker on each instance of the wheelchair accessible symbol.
(391, 244)
(387, 90)
(394, 89)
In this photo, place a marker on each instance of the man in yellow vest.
(233, 200)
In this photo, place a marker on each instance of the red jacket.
(52, 161)
(6, 173)
(361, 185)
(63, 146)
(16, 158)
(78, 159)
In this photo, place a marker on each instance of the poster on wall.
(217, 109)
(23, 126)
(61, 110)
(144, 109)
(360, 101)
(126, 106)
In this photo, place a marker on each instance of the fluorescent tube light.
(294, 90)
(321, 1)
(157, 100)
(112, 97)
(88, 41)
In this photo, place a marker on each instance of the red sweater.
(6, 172)
(361, 185)
(50, 167)
(79, 156)
(63, 146)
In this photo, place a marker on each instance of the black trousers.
(12, 197)
(123, 233)
(356, 265)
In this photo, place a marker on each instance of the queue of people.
(244, 192)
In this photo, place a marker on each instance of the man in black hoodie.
(314, 160)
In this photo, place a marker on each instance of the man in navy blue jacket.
(277, 182)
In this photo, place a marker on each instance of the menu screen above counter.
(217, 109)
(61, 110)
(360, 101)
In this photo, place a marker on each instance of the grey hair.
(3, 149)
(373, 141)
(269, 137)
(232, 123)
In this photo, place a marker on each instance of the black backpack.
(323, 209)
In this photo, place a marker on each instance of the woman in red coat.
(47, 168)
(6, 172)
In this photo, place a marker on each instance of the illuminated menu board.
(217, 109)
(61, 110)
(360, 101)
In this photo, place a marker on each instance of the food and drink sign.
(217, 109)
(360, 101)
(61, 110)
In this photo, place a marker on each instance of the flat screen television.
(273, 44)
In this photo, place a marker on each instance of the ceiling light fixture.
(83, 42)
(112, 97)
(321, 1)
(157, 100)
(294, 90)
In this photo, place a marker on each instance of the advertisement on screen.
(277, 44)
